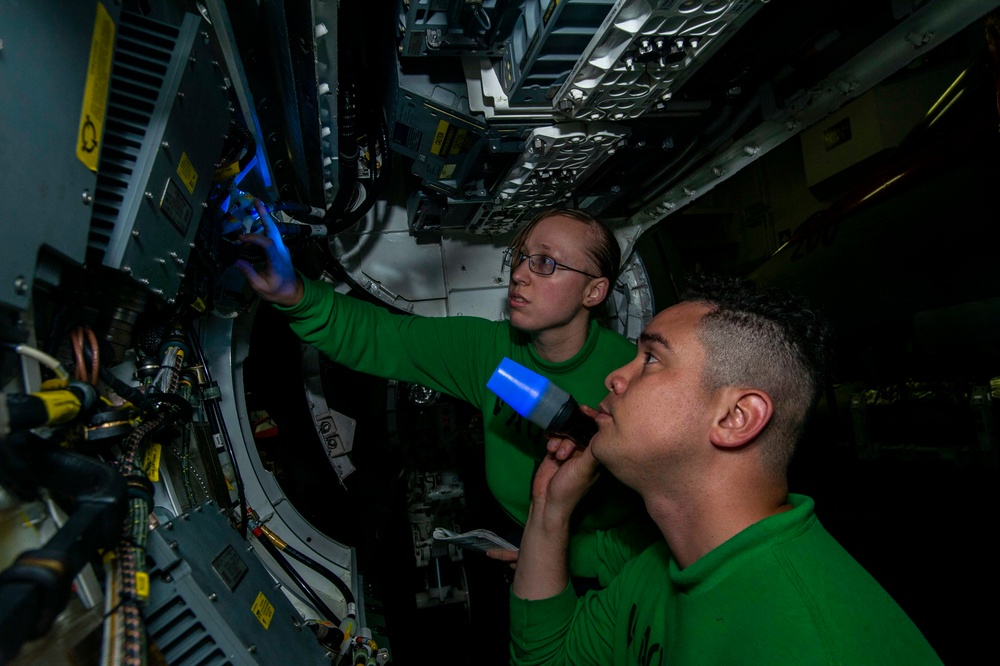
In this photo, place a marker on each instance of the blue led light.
(518, 386)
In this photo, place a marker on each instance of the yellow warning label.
(447, 170)
(95, 94)
(142, 584)
(459, 143)
(549, 11)
(187, 173)
(263, 609)
(439, 135)
(228, 171)
(151, 463)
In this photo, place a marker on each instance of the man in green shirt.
(703, 424)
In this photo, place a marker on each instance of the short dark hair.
(766, 338)
(604, 251)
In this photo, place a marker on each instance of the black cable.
(377, 179)
(274, 552)
(348, 153)
(127, 392)
(323, 571)
(218, 424)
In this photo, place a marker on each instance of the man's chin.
(596, 445)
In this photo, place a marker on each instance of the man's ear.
(743, 415)
(597, 291)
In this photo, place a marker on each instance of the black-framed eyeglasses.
(542, 264)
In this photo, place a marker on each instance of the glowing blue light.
(518, 386)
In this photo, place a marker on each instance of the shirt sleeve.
(564, 629)
(538, 629)
(443, 353)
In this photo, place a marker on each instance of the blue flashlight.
(540, 401)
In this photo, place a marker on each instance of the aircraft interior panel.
(183, 481)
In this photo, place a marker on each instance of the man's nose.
(616, 381)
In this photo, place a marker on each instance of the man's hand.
(562, 479)
(565, 474)
(277, 282)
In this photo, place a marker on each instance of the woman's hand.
(277, 281)
(504, 555)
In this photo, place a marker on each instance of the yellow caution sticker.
(458, 144)
(262, 609)
(549, 11)
(447, 171)
(95, 94)
(187, 173)
(439, 136)
(151, 463)
(227, 171)
(142, 584)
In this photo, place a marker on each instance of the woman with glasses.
(562, 267)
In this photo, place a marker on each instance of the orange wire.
(76, 335)
(95, 355)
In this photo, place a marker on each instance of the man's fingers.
(565, 450)
(561, 447)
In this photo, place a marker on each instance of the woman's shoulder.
(608, 339)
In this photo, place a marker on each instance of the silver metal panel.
(162, 206)
(212, 599)
(644, 52)
(555, 162)
(545, 45)
(432, 123)
(43, 72)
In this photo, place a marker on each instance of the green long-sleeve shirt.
(458, 355)
(781, 592)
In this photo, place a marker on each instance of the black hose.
(217, 420)
(36, 587)
(274, 552)
(323, 571)
(348, 154)
(218, 424)
(377, 178)
(127, 392)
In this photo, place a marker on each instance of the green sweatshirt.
(458, 355)
(782, 591)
